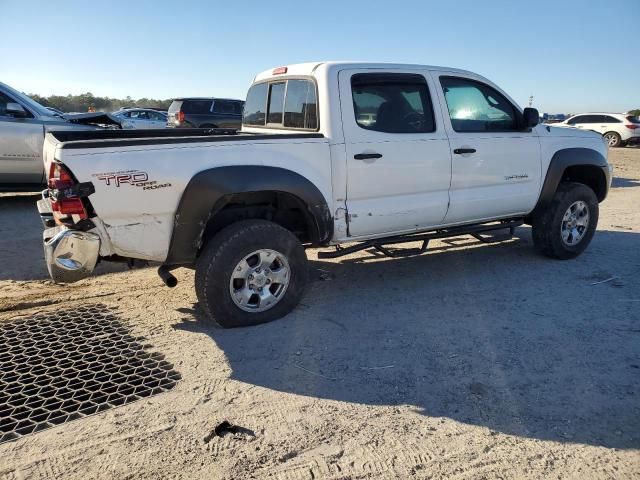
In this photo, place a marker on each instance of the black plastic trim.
(571, 157)
(110, 138)
(210, 190)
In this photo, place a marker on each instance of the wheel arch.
(582, 165)
(211, 191)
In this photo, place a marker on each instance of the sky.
(570, 55)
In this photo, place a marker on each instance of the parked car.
(141, 118)
(446, 153)
(618, 129)
(23, 124)
(205, 113)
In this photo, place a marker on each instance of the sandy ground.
(473, 361)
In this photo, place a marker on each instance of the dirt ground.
(472, 361)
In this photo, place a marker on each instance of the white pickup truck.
(328, 154)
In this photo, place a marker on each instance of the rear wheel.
(564, 229)
(613, 139)
(251, 272)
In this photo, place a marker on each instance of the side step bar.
(475, 231)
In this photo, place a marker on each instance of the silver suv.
(23, 123)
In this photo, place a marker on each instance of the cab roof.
(308, 69)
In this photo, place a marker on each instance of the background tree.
(81, 103)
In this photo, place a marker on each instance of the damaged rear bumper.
(70, 255)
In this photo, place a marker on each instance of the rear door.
(398, 157)
(496, 168)
(585, 122)
(228, 113)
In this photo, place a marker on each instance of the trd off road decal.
(135, 178)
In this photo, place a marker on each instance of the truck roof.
(309, 68)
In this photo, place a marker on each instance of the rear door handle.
(460, 151)
(367, 156)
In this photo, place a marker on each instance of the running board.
(475, 231)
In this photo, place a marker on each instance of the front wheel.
(566, 226)
(251, 272)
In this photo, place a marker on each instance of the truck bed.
(71, 139)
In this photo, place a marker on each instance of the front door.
(398, 156)
(20, 147)
(496, 169)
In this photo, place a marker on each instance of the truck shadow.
(495, 336)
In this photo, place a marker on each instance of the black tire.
(616, 140)
(547, 224)
(223, 253)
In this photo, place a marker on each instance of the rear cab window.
(282, 104)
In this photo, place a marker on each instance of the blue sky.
(571, 55)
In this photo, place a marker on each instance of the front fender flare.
(209, 191)
(571, 157)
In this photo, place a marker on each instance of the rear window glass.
(175, 106)
(633, 119)
(197, 107)
(255, 108)
(276, 103)
(282, 104)
(300, 105)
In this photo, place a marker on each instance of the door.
(156, 119)
(228, 113)
(496, 167)
(587, 122)
(398, 157)
(21, 142)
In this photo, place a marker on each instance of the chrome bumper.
(71, 255)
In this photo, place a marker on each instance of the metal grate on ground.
(60, 366)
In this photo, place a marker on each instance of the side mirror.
(530, 117)
(16, 110)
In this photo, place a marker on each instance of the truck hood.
(98, 118)
(570, 132)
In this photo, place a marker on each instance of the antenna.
(531, 100)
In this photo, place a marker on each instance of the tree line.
(82, 103)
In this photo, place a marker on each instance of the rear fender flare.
(210, 190)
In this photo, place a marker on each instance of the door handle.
(367, 156)
(460, 151)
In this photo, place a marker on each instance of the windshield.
(28, 102)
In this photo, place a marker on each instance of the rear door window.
(225, 107)
(609, 119)
(197, 107)
(392, 103)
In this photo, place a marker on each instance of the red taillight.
(632, 126)
(59, 180)
(181, 116)
(279, 71)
